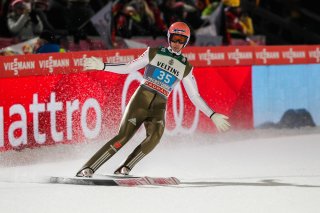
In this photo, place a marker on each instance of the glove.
(221, 122)
(93, 63)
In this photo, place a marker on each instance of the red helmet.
(179, 28)
(15, 2)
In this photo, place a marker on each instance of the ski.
(114, 180)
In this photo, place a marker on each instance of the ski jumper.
(163, 70)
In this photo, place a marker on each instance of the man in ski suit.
(164, 68)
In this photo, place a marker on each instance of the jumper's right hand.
(93, 63)
(221, 122)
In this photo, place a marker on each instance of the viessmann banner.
(49, 99)
(48, 64)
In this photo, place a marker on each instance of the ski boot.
(87, 172)
(122, 170)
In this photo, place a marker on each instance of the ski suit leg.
(134, 116)
(154, 129)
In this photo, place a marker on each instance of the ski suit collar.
(171, 50)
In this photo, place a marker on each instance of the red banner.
(49, 99)
(57, 63)
(78, 107)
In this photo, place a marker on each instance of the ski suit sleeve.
(134, 65)
(191, 87)
(15, 26)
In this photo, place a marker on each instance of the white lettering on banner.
(52, 107)
(265, 55)
(71, 108)
(178, 116)
(1, 128)
(237, 55)
(16, 65)
(133, 76)
(210, 56)
(36, 108)
(94, 104)
(79, 62)
(16, 125)
(119, 59)
(315, 54)
(52, 63)
(291, 55)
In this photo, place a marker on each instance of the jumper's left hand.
(93, 63)
(221, 122)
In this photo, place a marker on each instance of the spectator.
(239, 24)
(27, 49)
(174, 11)
(246, 22)
(137, 19)
(159, 22)
(214, 14)
(40, 7)
(231, 3)
(208, 9)
(28, 4)
(47, 43)
(192, 12)
(23, 23)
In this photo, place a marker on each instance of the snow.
(239, 171)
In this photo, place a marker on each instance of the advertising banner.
(86, 106)
(49, 98)
(57, 63)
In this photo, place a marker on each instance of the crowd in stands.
(60, 19)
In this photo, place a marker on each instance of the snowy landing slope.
(251, 171)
